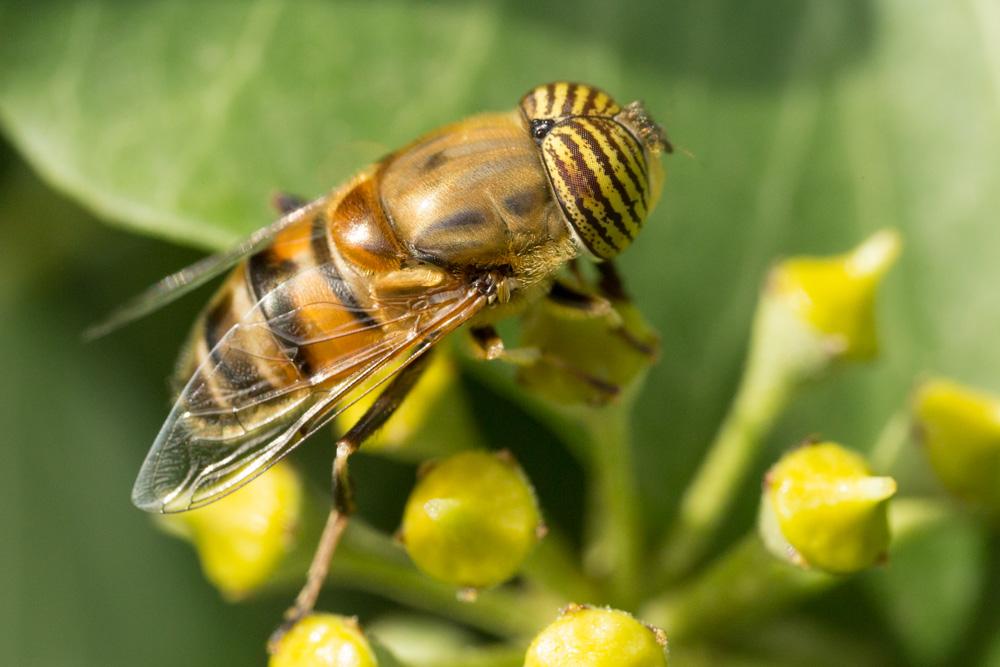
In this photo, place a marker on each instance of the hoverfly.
(348, 293)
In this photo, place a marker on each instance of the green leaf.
(802, 127)
(930, 587)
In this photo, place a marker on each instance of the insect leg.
(611, 286)
(343, 496)
(372, 420)
(574, 302)
(490, 346)
(285, 202)
(580, 303)
(610, 283)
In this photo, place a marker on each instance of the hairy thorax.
(474, 195)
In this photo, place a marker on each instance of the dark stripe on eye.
(590, 222)
(589, 103)
(268, 276)
(611, 215)
(639, 159)
(550, 99)
(323, 255)
(587, 134)
(631, 147)
(567, 107)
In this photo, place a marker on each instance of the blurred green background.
(802, 126)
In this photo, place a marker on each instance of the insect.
(347, 294)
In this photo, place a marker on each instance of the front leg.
(488, 345)
(574, 302)
(612, 287)
(578, 303)
(610, 283)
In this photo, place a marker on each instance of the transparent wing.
(247, 406)
(192, 277)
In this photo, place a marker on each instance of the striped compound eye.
(596, 163)
(556, 101)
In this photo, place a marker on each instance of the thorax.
(475, 194)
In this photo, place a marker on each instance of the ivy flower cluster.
(473, 546)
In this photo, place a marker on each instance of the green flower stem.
(371, 561)
(614, 546)
(489, 656)
(553, 567)
(979, 640)
(794, 639)
(761, 397)
(891, 442)
(783, 353)
(747, 583)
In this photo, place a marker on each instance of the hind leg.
(343, 494)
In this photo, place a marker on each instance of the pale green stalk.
(614, 548)
(489, 656)
(748, 583)
(783, 353)
(369, 560)
(553, 567)
(891, 441)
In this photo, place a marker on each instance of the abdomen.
(306, 300)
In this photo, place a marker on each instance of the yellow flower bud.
(323, 640)
(836, 295)
(822, 508)
(471, 520)
(242, 538)
(589, 637)
(960, 430)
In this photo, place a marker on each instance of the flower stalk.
(749, 584)
(812, 314)
(614, 548)
(370, 561)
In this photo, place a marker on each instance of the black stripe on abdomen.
(323, 254)
(238, 370)
(268, 276)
